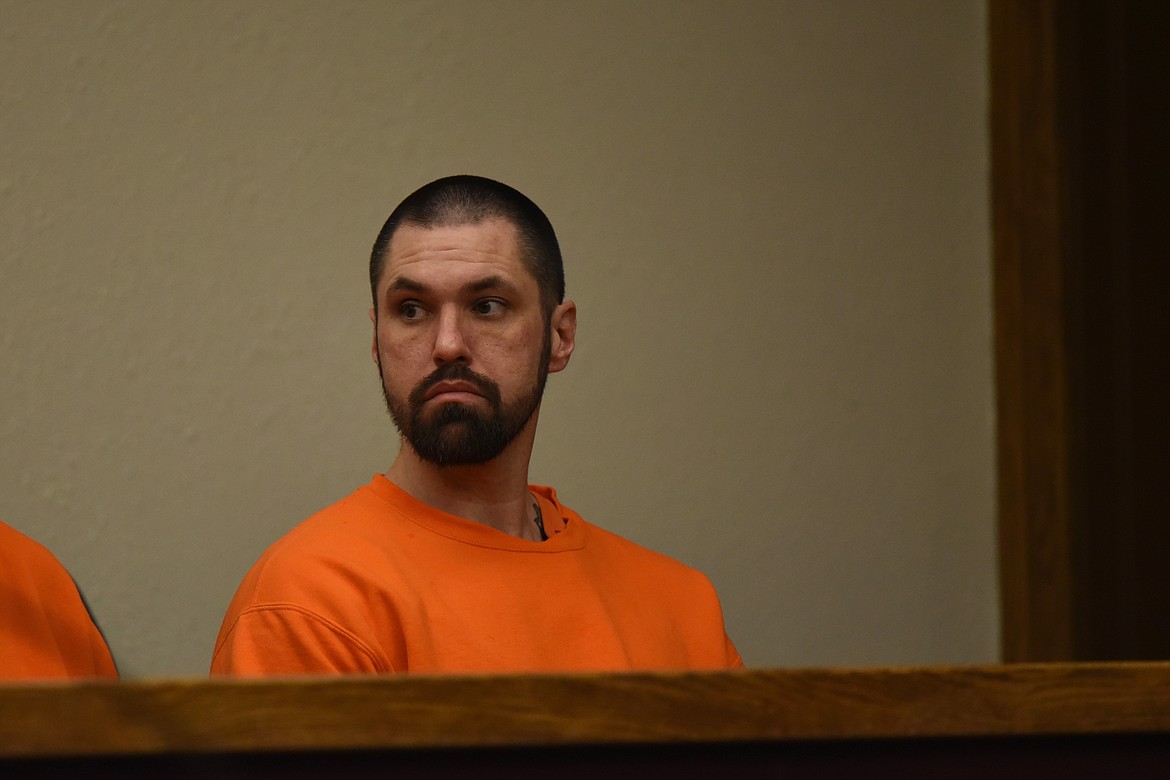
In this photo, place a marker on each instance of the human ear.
(564, 335)
(374, 344)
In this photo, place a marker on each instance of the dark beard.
(457, 434)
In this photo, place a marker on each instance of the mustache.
(456, 372)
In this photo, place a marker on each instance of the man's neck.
(494, 493)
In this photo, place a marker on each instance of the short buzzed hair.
(470, 200)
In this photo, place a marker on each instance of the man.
(451, 561)
(46, 632)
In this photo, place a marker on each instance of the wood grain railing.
(773, 713)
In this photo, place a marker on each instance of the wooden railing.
(993, 718)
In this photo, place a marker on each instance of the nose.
(450, 344)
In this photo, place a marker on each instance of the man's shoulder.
(339, 531)
(645, 555)
(368, 501)
(628, 554)
(299, 598)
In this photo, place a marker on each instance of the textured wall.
(775, 225)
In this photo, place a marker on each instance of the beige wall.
(775, 225)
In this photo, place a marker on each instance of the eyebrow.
(489, 283)
(406, 283)
(493, 282)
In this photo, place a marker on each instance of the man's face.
(461, 340)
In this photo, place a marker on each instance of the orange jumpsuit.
(380, 582)
(46, 631)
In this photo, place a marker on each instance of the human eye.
(410, 310)
(488, 307)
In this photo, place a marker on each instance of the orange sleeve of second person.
(46, 631)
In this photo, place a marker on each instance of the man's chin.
(450, 415)
(446, 435)
(452, 449)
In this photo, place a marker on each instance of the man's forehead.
(490, 237)
(416, 250)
